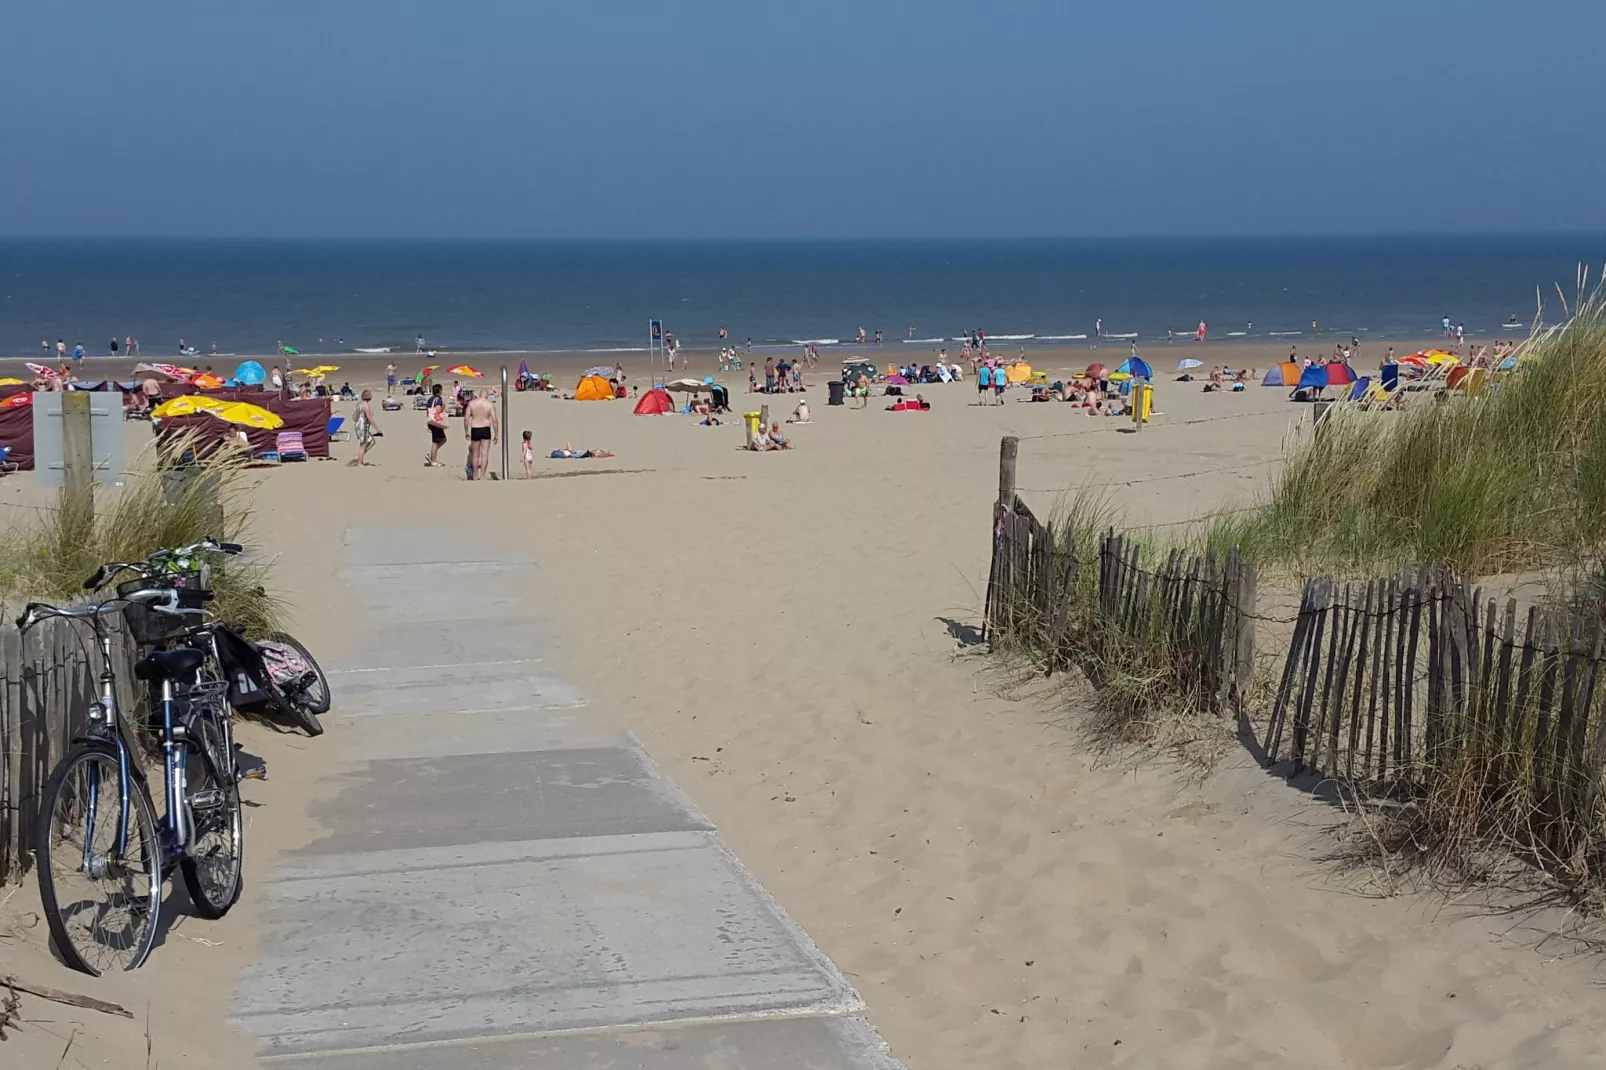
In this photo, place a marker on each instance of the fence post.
(1008, 451)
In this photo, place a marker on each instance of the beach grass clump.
(161, 505)
(1511, 481)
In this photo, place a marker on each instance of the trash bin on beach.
(836, 388)
(754, 423)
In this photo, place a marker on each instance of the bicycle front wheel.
(99, 864)
(214, 862)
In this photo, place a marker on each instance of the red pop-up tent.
(655, 402)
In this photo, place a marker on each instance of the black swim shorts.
(479, 434)
(437, 434)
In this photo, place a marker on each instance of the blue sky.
(719, 119)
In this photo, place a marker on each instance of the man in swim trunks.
(481, 428)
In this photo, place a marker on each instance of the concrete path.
(504, 885)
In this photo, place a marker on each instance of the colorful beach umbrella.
(187, 405)
(464, 369)
(248, 415)
(16, 401)
(429, 369)
(1189, 363)
(206, 381)
(12, 382)
(40, 369)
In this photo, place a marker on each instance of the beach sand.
(788, 634)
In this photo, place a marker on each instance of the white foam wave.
(819, 342)
(1284, 334)
(1061, 337)
(923, 341)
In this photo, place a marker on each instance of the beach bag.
(285, 665)
(243, 667)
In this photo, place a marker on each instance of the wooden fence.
(1193, 618)
(48, 678)
(1394, 682)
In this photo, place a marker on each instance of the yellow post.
(1142, 400)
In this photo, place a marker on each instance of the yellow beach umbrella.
(241, 412)
(1116, 377)
(12, 382)
(187, 405)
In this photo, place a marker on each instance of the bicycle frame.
(177, 821)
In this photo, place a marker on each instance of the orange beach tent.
(593, 388)
(1284, 374)
(655, 402)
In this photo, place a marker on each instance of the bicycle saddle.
(171, 663)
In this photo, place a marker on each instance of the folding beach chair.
(289, 446)
(337, 432)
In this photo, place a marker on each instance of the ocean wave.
(1284, 334)
(820, 342)
(1009, 337)
(1123, 337)
(923, 341)
(1061, 337)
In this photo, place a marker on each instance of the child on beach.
(528, 451)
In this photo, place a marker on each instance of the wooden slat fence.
(1392, 683)
(1195, 613)
(48, 678)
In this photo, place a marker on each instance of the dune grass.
(48, 557)
(1513, 481)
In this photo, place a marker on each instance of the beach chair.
(1359, 389)
(337, 431)
(289, 447)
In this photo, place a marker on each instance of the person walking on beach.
(527, 453)
(1098, 328)
(482, 430)
(390, 379)
(1199, 335)
(61, 350)
(365, 429)
(984, 384)
(418, 344)
(435, 418)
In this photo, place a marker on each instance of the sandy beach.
(789, 634)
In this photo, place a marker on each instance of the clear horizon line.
(21, 239)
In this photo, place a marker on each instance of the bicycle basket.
(148, 626)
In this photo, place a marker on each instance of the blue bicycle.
(101, 853)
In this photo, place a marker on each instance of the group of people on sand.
(780, 377)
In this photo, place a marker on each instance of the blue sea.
(330, 297)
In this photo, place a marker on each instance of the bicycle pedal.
(206, 798)
(259, 771)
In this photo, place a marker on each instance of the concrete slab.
(389, 546)
(574, 934)
(439, 592)
(445, 690)
(417, 640)
(498, 797)
(432, 735)
(766, 1044)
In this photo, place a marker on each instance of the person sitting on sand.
(778, 441)
(800, 415)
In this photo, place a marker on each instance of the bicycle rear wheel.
(101, 897)
(213, 867)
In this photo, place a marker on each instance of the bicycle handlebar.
(158, 599)
(151, 565)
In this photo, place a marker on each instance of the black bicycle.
(101, 852)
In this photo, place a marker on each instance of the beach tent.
(593, 388)
(1018, 372)
(1339, 374)
(1313, 376)
(655, 402)
(1284, 374)
(250, 373)
(1137, 367)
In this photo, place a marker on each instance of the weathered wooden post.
(1008, 451)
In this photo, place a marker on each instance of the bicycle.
(126, 859)
(279, 671)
